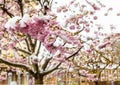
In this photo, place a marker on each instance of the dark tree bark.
(39, 79)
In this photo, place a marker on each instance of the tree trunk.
(39, 80)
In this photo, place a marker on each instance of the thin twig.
(21, 6)
(6, 11)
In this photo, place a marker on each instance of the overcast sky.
(105, 21)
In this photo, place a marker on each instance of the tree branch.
(46, 63)
(30, 43)
(74, 53)
(36, 68)
(56, 67)
(40, 3)
(28, 47)
(21, 6)
(51, 70)
(19, 65)
(38, 48)
(102, 70)
(27, 52)
(6, 11)
(35, 45)
(116, 67)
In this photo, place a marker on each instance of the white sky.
(103, 20)
(111, 18)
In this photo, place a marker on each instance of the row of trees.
(34, 38)
(96, 60)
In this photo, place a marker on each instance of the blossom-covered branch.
(19, 65)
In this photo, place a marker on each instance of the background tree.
(99, 57)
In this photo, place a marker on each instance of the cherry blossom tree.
(98, 57)
(39, 43)
(33, 38)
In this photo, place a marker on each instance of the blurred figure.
(31, 81)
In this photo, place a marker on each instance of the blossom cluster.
(43, 28)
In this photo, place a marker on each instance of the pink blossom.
(1, 1)
(95, 17)
(51, 48)
(91, 12)
(2, 78)
(87, 25)
(4, 48)
(106, 14)
(89, 51)
(71, 2)
(12, 45)
(1, 34)
(41, 29)
(95, 7)
(61, 59)
(118, 14)
(72, 27)
(59, 10)
(110, 9)
(83, 5)
(87, 30)
(104, 45)
(65, 10)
